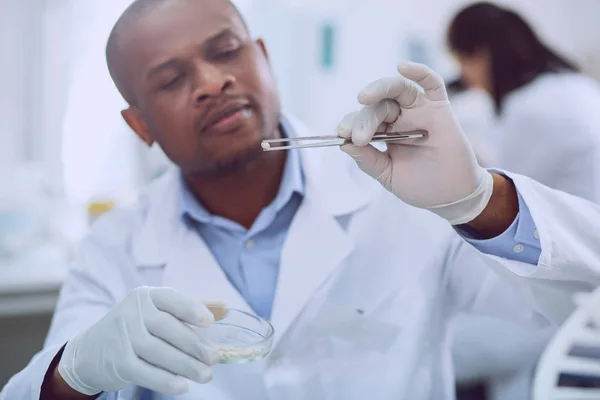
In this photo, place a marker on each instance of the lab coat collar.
(166, 241)
(333, 180)
(316, 244)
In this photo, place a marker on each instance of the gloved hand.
(439, 172)
(148, 340)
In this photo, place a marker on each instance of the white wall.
(54, 76)
(13, 38)
(99, 153)
(32, 33)
(368, 45)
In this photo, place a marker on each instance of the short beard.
(231, 166)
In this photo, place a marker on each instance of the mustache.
(218, 103)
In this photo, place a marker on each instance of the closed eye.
(173, 83)
(228, 54)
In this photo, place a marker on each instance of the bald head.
(138, 10)
(195, 81)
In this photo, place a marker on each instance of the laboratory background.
(66, 155)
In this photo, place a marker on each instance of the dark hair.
(456, 86)
(517, 55)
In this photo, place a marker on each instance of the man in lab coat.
(358, 285)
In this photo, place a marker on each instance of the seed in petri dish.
(236, 353)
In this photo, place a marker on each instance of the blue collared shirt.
(250, 257)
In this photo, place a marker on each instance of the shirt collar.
(292, 183)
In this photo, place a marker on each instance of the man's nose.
(210, 82)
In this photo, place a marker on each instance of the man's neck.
(242, 195)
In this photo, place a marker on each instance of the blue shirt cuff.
(520, 242)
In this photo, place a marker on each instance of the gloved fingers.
(371, 161)
(161, 354)
(345, 127)
(184, 307)
(402, 124)
(173, 331)
(370, 118)
(399, 88)
(431, 82)
(218, 308)
(140, 373)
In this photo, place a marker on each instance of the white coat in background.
(474, 110)
(366, 288)
(549, 130)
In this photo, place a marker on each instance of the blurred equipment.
(34, 246)
(570, 366)
(37, 231)
(23, 210)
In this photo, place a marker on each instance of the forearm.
(500, 212)
(54, 386)
(60, 390)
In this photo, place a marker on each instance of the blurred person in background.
(547, 127)
(547, 112)
(475, 111)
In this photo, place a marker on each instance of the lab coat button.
(519, 248)
(536, 234)
(250, 244)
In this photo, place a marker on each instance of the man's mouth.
(226, 118)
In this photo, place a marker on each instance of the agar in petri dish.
(241, 337)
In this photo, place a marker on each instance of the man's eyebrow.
(170, 64)
(175, 63)
(224, 33)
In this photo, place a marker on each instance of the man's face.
(205, 92)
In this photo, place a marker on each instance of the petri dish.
(241, 337)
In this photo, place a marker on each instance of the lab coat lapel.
(187, 262)
(191, 268)
(316, 244)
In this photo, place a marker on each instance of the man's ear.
(263, 47)
(134, 120)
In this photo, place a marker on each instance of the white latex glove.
(148, 340)
(440, 172)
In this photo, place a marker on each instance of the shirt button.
(519, 248)
(250, 244)
(536, 234)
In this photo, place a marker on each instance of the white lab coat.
(549, 130)
(474, 110)
(366, 287)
